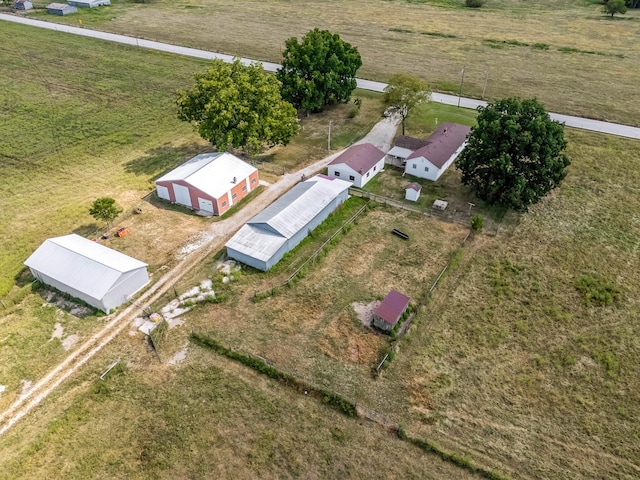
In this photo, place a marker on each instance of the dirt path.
(214, 238)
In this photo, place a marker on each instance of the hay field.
(568, 54)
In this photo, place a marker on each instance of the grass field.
(207, 418)
(567, 53)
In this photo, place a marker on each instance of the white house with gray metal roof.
(263, 240)
(210, 183)
(98, 275)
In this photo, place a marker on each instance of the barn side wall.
(94, 302)
(247, 260)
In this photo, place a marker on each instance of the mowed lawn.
(566, 53)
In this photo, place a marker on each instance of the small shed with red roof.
(390, 310)
(358, 164)
(442, 148)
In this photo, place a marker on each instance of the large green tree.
(404, 92)
(515, 155)
(318, 71)
(238, 106)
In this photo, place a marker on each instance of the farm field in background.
(569, 55)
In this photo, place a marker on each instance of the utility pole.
(461, 83)
(471, 205)
(329, 139)
(486, 78)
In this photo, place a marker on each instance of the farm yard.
(102, 127)
(522, 362)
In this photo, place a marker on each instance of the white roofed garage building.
(210, 183)
(98, 275)
(263, 240)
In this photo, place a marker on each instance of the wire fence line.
(431, 212)
(271, 291)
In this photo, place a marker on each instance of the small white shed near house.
(22, 5)
(412, 192)
(98, 275)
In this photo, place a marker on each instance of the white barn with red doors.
(210, 183)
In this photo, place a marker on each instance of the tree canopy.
(404, 92)
(515, 155)
(105, 209)
(237, 106)
(318, 71)
(611, 7)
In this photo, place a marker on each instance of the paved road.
(576, 122)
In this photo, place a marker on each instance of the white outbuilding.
(264, 240)
(412, 192)
(357, 164)
(98, 275)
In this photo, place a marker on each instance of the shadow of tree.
(161, 159)
(89, 230)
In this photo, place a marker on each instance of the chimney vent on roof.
(234, 180)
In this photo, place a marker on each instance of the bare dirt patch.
(70, 341)
(364, 311)
(58, 331)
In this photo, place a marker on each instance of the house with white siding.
(441, 150)
(100, 276)
(210, 183)
(358, 164)
(264, 240)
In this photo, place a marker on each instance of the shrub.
(474, 3)
(541, 46)
(477, 222)
(353, 113)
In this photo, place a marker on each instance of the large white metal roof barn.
(98, 275)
